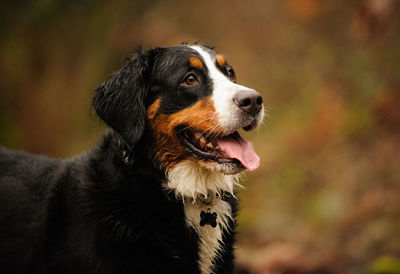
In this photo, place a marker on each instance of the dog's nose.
(249, 100)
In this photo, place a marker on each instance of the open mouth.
(229, 149)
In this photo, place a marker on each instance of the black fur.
(105, 211)
(114, 99)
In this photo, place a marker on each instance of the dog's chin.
(231, 168)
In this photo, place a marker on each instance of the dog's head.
(187, 98)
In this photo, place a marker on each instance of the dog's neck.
(189, 180)
(127, 154)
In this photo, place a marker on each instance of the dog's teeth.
(203, 140)
(210, 145)
(197, 135)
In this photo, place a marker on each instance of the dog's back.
(25, 181)
(76, 216)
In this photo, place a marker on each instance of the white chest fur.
(210, 238)
(190, 181)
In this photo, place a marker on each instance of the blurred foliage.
(326, 198)
(385, 265)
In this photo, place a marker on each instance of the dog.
(158, 194)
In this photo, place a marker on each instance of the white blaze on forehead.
(223, 92)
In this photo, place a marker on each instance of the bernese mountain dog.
(158, 194)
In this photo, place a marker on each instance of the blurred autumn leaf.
(385, 265)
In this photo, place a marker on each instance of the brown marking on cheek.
(220, 60)
(152, 109)
(195, 63)
(168, 148)
(201, 116)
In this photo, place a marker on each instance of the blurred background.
(326, 198)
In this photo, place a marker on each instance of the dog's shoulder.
(22, 167)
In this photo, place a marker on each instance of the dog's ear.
(120, 100)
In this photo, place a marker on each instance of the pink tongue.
(238, 148)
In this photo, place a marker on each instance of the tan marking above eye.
(220, 60)
(195, 63)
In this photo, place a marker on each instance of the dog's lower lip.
(230, 161)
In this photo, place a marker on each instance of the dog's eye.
(190, 80)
